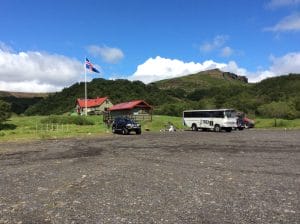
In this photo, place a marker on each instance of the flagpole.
(85, 88)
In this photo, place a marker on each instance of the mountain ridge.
(22, 94)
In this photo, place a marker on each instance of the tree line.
(273, 97)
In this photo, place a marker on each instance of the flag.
(89, 66)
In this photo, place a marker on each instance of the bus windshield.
(230, 113)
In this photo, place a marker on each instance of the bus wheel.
(217, 128)
(194, 127)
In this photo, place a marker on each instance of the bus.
(217, 119)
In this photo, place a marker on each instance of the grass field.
(278, 123)
(28, 128)
(31, 128)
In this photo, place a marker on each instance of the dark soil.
(188, 177)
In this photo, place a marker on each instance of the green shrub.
(5, 111)
(281, 123)
(278, 110)
(78, 120)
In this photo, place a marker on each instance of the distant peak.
(217, 73)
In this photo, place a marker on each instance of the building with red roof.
(94, 106)
(136, 109)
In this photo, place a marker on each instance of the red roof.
(130, 105)
(91, 102)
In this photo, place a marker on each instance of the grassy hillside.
(21, 101)
(117, 90)
(278, 88)
(22, 94)
(274, 97)
(202, 80)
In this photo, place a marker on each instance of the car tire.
(113, 130)
(138, 132)
(124, 131)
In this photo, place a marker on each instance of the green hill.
(21, 101)
(117, 90)
(278, 96)
(272, 97)
(202, 80)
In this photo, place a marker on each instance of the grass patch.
(57, 119)
(161, 122)
(37, 127)
(279, 123)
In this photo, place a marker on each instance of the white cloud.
(289, 23)
(28, 86)
(159, 68)
(5, 47)
(37, 72)
(108, 54)
(226, 51)
(215, 44)
(282, 3)
(289, 63)
(232, 66)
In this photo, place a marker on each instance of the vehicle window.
(230, 113)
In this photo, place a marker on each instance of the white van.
(217, 119)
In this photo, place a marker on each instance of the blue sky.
(43, 44)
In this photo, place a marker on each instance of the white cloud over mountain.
(36, 71)
(43, 72)
(159, 68)
(289, 63)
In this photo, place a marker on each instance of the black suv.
(125, 126)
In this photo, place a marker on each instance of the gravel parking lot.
(250, 176)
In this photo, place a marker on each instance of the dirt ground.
(250, 176)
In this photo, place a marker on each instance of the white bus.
(217, 120)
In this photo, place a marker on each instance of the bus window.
(218, 114)
(230, 113)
